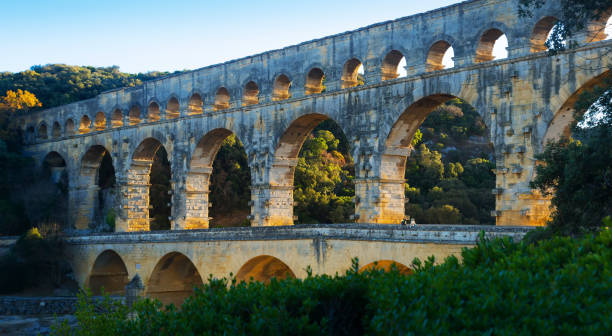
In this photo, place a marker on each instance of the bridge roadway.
(170, 263)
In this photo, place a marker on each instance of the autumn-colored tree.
(19, 101)
(12, 103)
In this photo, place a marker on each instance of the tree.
(11, 104)
(577, 171)
(576, 14)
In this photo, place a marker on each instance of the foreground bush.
(558, 286)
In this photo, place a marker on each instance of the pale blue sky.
(140, 35)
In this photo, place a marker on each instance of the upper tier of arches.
(369, 60)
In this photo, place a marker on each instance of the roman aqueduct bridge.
(272, 101)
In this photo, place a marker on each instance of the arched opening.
(54, 167)
(84, 125)
(393, 65)
(601, 28)
(100, 122)
(42, 132)
(222, 99)
(149, 181)
(57, 130)
(314, 81)
(352, 73)
(492, 46)
(541, 33)
(314, 171)
(96, 191)
(153, 112)
(52, 191)
(174, 279)
(280, 91)
(387, 265)
(30, 134)
(117, 118)
(440, 56)
(69, 127)
(134, 115)
(108, 274)
(264, 268)
(173, 108)
(440, 147)
(251, 94)
(219, 164)
(560, 125)
(195, 105)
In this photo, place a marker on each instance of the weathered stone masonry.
(272, 101)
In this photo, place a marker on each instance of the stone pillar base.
(271, 205)
(379, 201)
(530, 209)
(195, 223)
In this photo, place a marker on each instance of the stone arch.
(484, 49)
(54, 166)
(386, 265)
(436, 54)
(251, 94)
(57, 130)
(280, 91)
(195, 104)
(69, 127)
(263, 268)
(596, 30)
(314, 81)
(108, 274)
(540, 32)
(563, 116)
(390, 64)
(42, 133)
(117, 118)
(92, 202)
(173, 109)
(139, 184)
(173, 279)
(397, 149)
(30, 134)
(100, 122)
(134, 115)
(281, 174)
(198, 178)
(350, 73)
(85, 125)
(222, 99)
(153, 112)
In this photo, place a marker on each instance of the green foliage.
(324, 178)
(109, 219)
(35, 261)
(158, 192)
(556, 287)
(231, 180)
(579, 176)
(575, 15)
(96, 317)
(578, 172)
(59, 84)
(451, 186)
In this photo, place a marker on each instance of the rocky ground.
(31, 325)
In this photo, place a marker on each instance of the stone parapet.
(443, 234)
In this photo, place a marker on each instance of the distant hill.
(59, 84)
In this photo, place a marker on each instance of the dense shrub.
(35, 262)
(557, 286)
